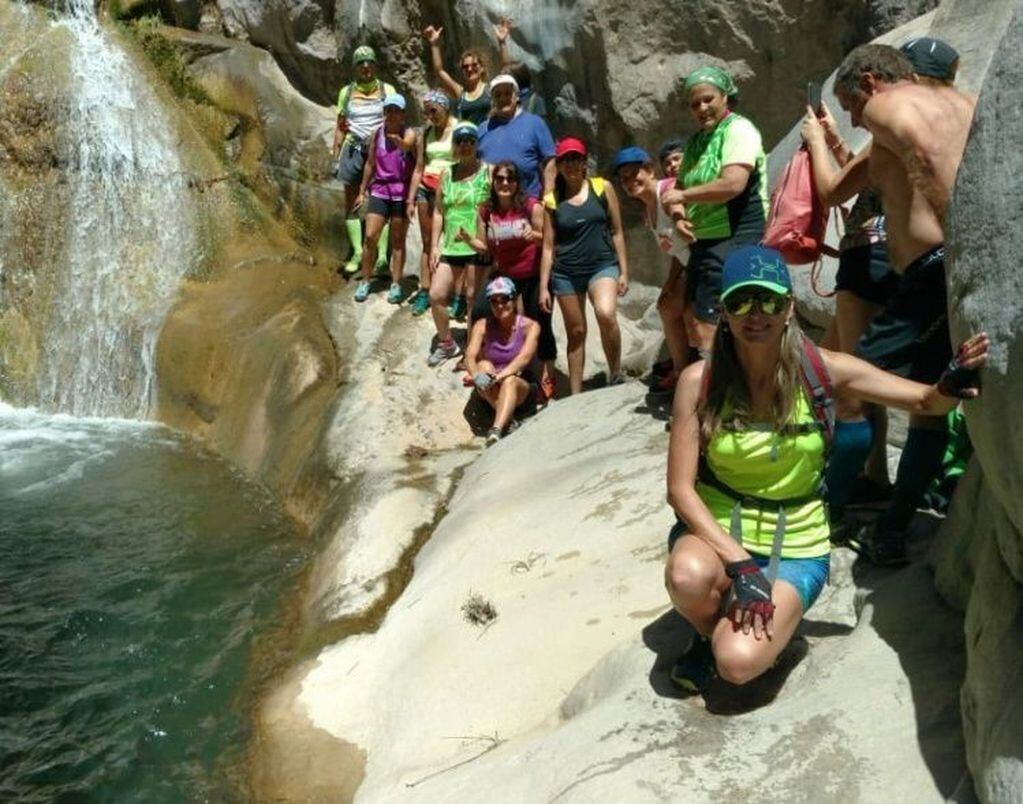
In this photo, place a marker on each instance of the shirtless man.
(919, 134)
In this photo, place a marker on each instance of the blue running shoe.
(362, 291)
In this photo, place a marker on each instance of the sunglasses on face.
(500, 299)
(740, 304)
(469, 65)
(501, 178)
(463, 140)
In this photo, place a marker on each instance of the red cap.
(569, 145)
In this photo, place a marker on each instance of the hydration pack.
(797, 219)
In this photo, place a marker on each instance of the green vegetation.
(166, 58)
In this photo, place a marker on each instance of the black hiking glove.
(752, 591)
(958, 381)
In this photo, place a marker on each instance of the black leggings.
(529, 290)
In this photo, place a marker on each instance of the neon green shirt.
(764, 463)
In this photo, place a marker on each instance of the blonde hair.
(479, 60)
(728, 391)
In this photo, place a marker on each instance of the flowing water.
(131, 238)
(143, 582)
(137, 572)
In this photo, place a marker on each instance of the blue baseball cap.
(465, 129)
(631, 155)
(396, 101)
(755, 266)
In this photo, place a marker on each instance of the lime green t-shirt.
(762, 462)
(733, 141)
(461, 200)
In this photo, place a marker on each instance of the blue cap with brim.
(395, 101)
(755, 266)
(632, 155)
(931, 57)
(465, 129)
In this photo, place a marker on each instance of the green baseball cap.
(364, 53)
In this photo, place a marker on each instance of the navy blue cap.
(931, 57)
(755, 266)
(631, 155)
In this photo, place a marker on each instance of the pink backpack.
(797, 219)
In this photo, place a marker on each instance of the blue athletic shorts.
(567, 284)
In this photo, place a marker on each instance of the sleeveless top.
(436, 154)
(461, 201)
(514, 256)
(363, 115)
(760, 461)
(582, 235)
(502, 354)
(393, 169)
(474, 111)
(664, 227)
(742, 217)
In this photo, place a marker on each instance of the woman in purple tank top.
(387, 180)
(501, 348)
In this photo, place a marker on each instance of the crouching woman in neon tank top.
(749, 554)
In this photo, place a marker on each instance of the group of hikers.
(772, 438)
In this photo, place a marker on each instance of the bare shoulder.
(690, 381)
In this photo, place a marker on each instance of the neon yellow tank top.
(761, 462)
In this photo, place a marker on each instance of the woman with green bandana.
(360, 112)
(722, 183)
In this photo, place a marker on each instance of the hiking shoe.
(362, 291)
(696, 667)
(457, 308)
(547, 389)
(420, 302)
(493, 436)
(880, 548)
(394, 294)
(444, 351)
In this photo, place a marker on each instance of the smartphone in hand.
(813, 97)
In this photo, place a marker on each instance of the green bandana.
(714, 76)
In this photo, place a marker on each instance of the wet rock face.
(980, 559)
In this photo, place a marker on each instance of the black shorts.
(865, 272)
(703, 275)
(910, 337)
(459, 260)
(385, 208)
(353, 159)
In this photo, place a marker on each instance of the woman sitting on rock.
(463, 187)
(722, 184)
(386, 178)
(433, 157)
(510, 228)
(584, 255)
(635, 171)
(501, 349)
(749, 554)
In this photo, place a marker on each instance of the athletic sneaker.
(696, 667)
(420, 302)
(444, 351)
(457, 308)
(362, 291)
(493, 436)
(394, 294)
(616, 379)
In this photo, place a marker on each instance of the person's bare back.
(919, 134)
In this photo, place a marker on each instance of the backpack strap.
(599, 187)
(817, 385)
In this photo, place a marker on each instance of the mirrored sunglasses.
(740, 304)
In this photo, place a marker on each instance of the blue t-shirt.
(524, 140)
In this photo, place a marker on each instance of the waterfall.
(131, 236)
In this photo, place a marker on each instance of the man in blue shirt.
(513, 134)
